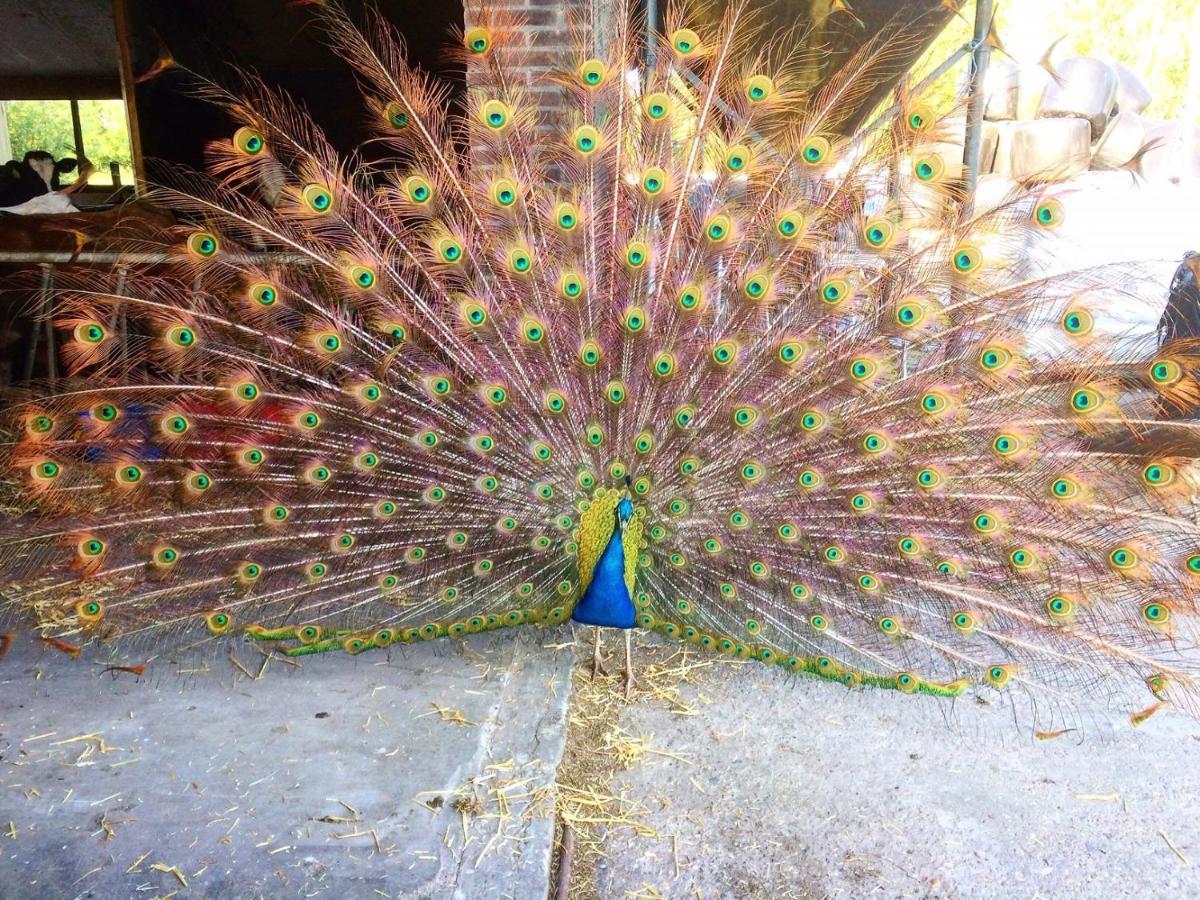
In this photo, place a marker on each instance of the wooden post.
(129, 92)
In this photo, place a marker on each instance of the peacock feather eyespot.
(90, 333)
(910, 313)
(448, 250)
(745, 416)
(385, 509)
(635, 319)
(317, 474)
(396, 115)
(91, 548)
(617, 470)
(654, 181)
(594, 435)
(1059, 608)
(966, 259)
(1158, 475)
(1023, 559)
(758, 89)
(487, 483)
(248, 573)
(725, 353)
(879, 233)
(685, 42)
(1078, 322)
(889, 625)
(181, 337)
(751, 472)
(738, 158)
(812, 420)
(656, 105)
(1007, 445)
(316, 198)
(197, 482)
(363, 278)
(875, 443)
(718, 228)
(1086, 400)
(868, 582)
(928, 168)
(1048, 213)
(218, 622)
(1192, 564)
(203, 244)
(585, 140)
(589, 353)
(964, 621)
(414, 555)
(684, 416)
(1065, 488)
(570, 286)
(615, 392)
(690, 297)
(251, 457)
(495, 115)
(248, 141)
(566, 216)
(275, 514)
(397, 331)
(910, 546)
(862, 502)
(949, 568)
(907, 683)
(815, 151)
(819, 622)
(999, 676)
(1165, 372)
(342, 542)
(308, 420)
(477, 40)
(39, 424)
(105, 413)
(863, 369)
(663, 364)
(757, 286)
(418, 189)
(835, 291)
(689, 466)
(791, 352)
(592, 73)
(995, 358)
(636, 255)
(919, 119)
(987, 523)
(644, 442)
(533, 331)
(801, 593)
(316, 571)
(1123, 559)
(834, 554)
(484, 443)
(89, 611)
(327, 342)
(129, 474)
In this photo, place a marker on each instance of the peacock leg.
(597, 661)
(629, 682)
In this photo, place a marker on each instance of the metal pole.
(979, 62)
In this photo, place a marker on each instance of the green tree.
(46, 125)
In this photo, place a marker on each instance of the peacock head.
(624, 513)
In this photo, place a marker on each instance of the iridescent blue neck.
(606, 600)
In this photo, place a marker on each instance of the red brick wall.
(547, 38)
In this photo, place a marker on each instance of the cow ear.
(66, 164)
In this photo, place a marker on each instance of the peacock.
(689, 356)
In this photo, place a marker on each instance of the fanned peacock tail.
(865, 437)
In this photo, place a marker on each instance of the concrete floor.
(341, 779)
(320, 781)
(800, 788)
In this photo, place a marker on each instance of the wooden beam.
(129, 91)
